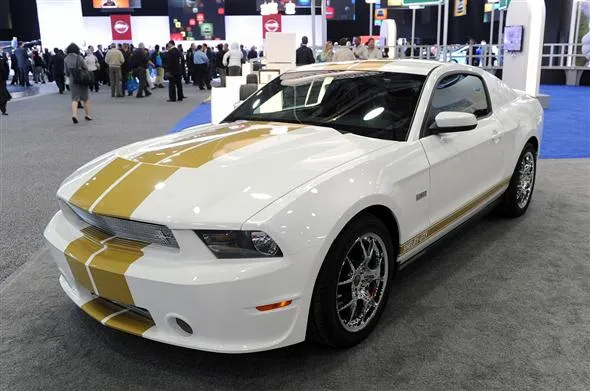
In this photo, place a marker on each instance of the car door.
(463, 165)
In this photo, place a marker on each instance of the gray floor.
(503, 305)
(41, 146)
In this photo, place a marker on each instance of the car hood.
(210, 176)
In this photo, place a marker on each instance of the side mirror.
(453, 121)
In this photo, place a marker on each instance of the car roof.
(416, 67)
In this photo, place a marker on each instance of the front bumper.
(216, 298)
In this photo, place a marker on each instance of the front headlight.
(240, 244)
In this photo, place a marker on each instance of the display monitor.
(116, 4)
(513, 38)
(192, 20)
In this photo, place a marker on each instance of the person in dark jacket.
(4, 94)
(220, 67)
(183, 65)
(174, 70)
(125, 68)
(47, 58)
(14, 67)
(58, 70)
(103, 71)
(190, 63)
(138, 63)
(38, 68)
(304, 55)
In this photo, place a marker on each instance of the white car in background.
(290, 219)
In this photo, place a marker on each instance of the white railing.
(555, 55)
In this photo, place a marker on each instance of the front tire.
(517, 197)
(353, 284)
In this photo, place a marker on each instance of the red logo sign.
(329, 12)
(121, 27)
(271, 24)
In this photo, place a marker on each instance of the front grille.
(126, 229)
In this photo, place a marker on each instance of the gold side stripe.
(89, 192)
(122, 200)
(108, 269)
(127, 321)
(450, 219)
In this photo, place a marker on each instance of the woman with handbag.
(80, 79)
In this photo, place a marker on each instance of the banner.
(110, 4)
(121, 27)
(460, 7)
(271, 24)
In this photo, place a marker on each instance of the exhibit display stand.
(388, 36)
(279, 57)
(522, 54)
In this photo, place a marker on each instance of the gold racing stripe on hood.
(89, 192)
(158, 154)
(204, 153)
(122, 200)
(108, 269)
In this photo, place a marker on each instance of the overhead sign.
(504, 4)
(271, 24)
(121, 27)
(460, 7)
(421, 2)
(395, 3)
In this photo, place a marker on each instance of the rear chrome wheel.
(517, 197)
(352, 286)
(526, 178)
(361, 282)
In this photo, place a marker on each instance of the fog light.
(184, 326)
(274, 306)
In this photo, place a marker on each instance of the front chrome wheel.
(362, 281)
(526, 179)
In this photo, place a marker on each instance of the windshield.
(372, 104)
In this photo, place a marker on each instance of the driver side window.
(459, 92)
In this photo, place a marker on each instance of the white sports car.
(290, 219)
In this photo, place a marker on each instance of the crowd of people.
(129, 70)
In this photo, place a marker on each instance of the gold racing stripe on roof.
(122, 200)
(108, 269)
(89, 192)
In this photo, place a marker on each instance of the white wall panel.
(151, 30)
(98, 30)
(247, 30)
(60, 22)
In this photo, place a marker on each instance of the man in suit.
(174, 70)
(103, 71)
(304, 55)
(57, 70)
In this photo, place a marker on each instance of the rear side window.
(459, 92)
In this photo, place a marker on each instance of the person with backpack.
(158, 60)
(80, 80)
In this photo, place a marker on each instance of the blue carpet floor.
(567, 122)
(199, 116)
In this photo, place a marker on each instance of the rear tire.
(353, 284)
(517, 197)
